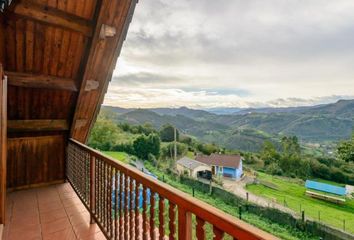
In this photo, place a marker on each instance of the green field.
(293, 195)
(282, 231)
(121, 156)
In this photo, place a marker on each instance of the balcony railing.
(127, 204)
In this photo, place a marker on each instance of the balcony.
(53, 212)
(105, 199)
(56, 60)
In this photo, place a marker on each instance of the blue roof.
(324, 187)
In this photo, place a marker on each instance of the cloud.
(258, 51)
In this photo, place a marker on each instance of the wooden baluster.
(126, 209)
(92, 188)
(131, 209)
(200, 229)
(145, 234)
(152, 215)
(137, 197)
(105, 225)
(218, 234)
(116, 202)
(97, 188)
(184, 224)
(121, 223)
(110, 201)
(172, 216)
(100, 209)
(161, 218)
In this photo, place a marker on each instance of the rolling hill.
(247, 129)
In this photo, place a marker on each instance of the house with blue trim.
(229, 166)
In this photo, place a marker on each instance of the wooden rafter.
(51, 16)
(37, 125)
(110, 32)
(40, 81)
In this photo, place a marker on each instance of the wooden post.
(3, 143)
(92, 188)
(184, 224)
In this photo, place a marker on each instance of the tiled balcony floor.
(48, 213)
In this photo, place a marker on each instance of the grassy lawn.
(282, 231)
(294, 196)
(120, 156)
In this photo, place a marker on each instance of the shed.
(194, 168)
(226, 165)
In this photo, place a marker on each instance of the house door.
(3, 143)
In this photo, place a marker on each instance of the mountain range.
(246, 129)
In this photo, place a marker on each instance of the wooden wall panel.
(31, 103)
(35, 160)
(3, 142)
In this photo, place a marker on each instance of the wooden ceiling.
(59, 56)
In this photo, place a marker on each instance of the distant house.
(229, 166)
(193, 168)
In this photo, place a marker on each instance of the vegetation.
(247, 131)
(291, 162)
(145, 146)
(167, 133)
(291, 193)
(286, 157)
(346, 150)
(282, 231)
(121, 156)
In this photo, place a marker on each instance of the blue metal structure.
(148, 193)
(324, 187)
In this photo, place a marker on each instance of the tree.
(167, 133)
(345, 150)
(269, 154)
(103, 135)
(145, 145)
(168, 150)
(208, 148)
(291, 146)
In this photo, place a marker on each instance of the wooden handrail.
(219, 219)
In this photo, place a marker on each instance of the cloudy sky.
(236, 53)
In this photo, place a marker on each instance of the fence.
(275, 215)
(96, 178)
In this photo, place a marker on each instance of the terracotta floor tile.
(78, 208)
(68, 195)
(48, 213)
(28, 214)
(86, 229)
(79, 218)
(51, 216)
(66, 234)
(71, 201)
(24, 222)
(48, 207)
(96, 236)
(30, 233)
(55, 226)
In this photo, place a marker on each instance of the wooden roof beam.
(110, 32)
(52, 16)
(40, 81)
(37, 125)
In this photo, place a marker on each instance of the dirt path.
(238, 188)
